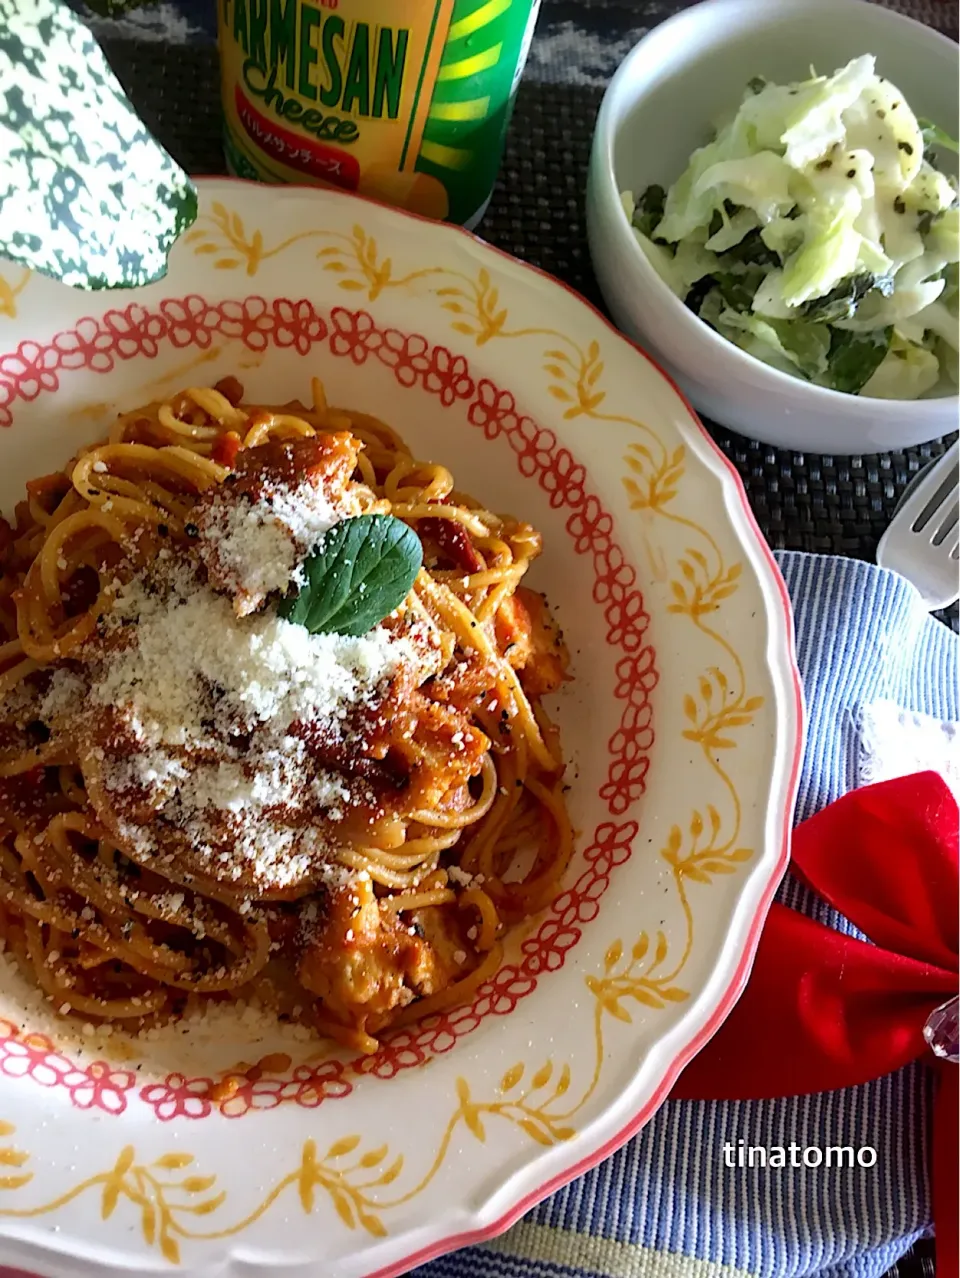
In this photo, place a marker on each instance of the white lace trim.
(896, 742)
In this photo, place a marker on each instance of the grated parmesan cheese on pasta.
(205, 702)
(264, 669)
(254, 548)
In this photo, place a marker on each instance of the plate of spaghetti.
(399, 731)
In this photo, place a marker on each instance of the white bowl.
(658, 109)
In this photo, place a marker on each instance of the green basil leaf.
(855, 357)
(86, 194)
(362, 569)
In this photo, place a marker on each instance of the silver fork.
(923, 541)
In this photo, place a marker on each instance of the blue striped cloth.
(665, 1206)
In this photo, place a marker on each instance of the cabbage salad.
(817, 234)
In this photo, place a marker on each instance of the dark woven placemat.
(802, 502)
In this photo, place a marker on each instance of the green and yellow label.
(405, 102)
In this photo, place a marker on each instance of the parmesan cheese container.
(406, 101)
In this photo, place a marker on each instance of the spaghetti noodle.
(201, 800)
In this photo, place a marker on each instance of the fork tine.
(923, 541)
(939, 473)
(945, 526)
(939, 501)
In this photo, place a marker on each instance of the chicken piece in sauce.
(532, 642)
(314, 472)
(366, 961)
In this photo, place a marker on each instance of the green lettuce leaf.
(793, 346)
(648, 210)
(853, 358)
(829, 253)
(759, 182)
(662, 260)
(841, 302)
(906, 372)
(802, 121)
(741, 270)
(86, 194)
(933, 136)
(943, 235)
(732, 229)
(686, 211)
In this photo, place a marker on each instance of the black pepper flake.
(907, 147)
(163, 530)
(881, 115)
(191, 530)
(851, 173)
(899, 206)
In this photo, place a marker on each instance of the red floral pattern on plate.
(98, 1085)
(259, 323)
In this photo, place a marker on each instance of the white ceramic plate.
(683, 729)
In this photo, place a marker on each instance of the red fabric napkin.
(822, 1010)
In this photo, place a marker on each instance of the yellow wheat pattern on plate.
(10, 292)
(169, 1196)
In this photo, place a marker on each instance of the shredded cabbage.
(816, 233)
(907, 372)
